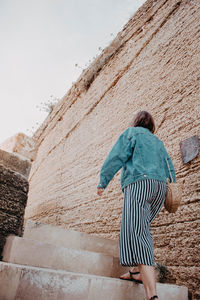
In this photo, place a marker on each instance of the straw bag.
(173, 195)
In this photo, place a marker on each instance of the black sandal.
(131, 277)
(134, 273)
(154, 297)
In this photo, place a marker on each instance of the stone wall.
(14, 171)
(152, 64)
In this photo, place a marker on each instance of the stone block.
(13, 200)
(15, 162)
(13, 179)
(10, 224)
(42, 284)
(20, 144)
(39, 254)
(69, 238)
(13, 195)
(9, 281)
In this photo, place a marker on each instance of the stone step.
(18, 282)
(35, 253)
(69, 238)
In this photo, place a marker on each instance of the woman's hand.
(100, 191)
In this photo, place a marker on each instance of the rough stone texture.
(13, 195)
(15, 162)
(153, 64)
(21, 144)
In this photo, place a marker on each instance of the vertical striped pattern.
(142, 202)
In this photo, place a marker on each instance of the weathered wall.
(14, 171)
(153, 64)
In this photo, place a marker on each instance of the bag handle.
(170, 174)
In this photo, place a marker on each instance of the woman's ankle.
(155, 297)
(151, 293)
(134, 269)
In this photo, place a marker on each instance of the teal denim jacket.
(141, 155)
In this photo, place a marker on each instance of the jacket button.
(145, 176)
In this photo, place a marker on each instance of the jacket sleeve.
(169, 167)
(119, 154)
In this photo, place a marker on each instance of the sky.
(45, 45)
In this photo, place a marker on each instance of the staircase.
(51, 263)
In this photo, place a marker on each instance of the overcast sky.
(41, 41)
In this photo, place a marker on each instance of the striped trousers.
(142, 202)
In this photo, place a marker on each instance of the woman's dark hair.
(144, 119)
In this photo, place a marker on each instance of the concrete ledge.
(19, 282)
(35, 253)
(69, 238)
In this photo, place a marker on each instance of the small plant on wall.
(48, 106)
(163, 274)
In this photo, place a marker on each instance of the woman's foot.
(133, 270)
(132, 276)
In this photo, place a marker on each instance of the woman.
(145, 167)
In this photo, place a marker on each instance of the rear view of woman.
(145, 167)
